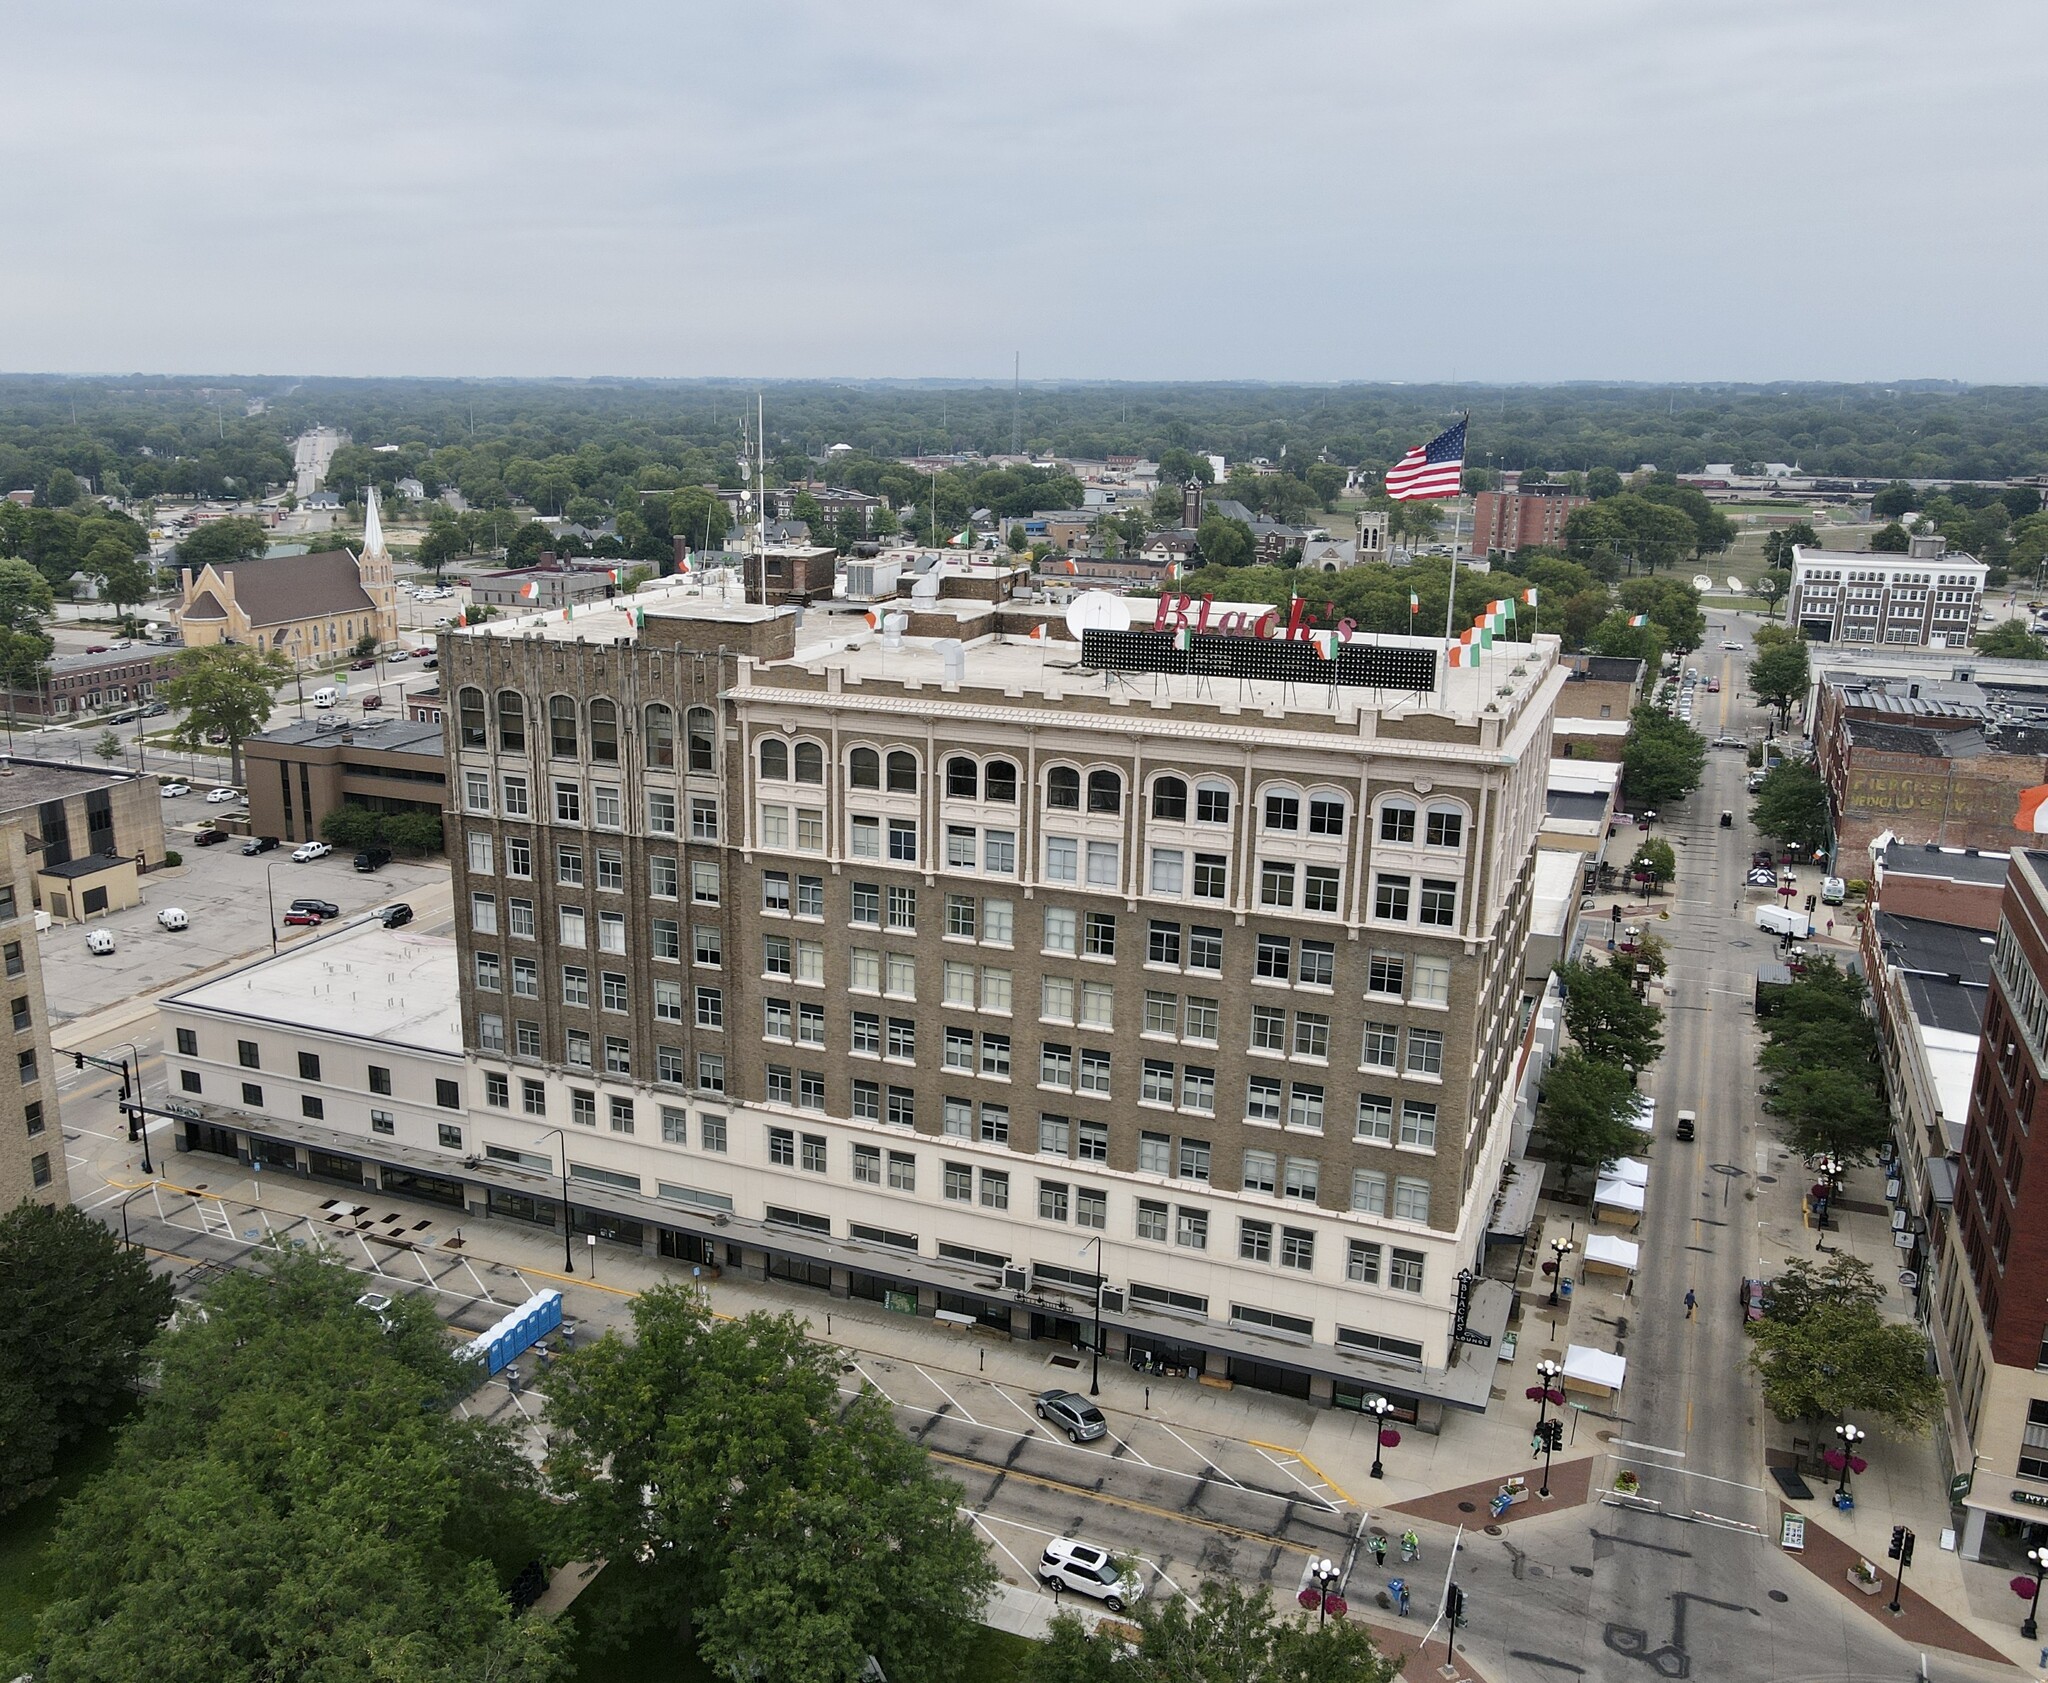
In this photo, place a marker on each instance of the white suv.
(1090, 1571)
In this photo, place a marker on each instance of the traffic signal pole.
(1901, 1551)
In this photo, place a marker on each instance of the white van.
(326, 696)
(173, 917)
(99, 943)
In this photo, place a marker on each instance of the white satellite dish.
(1734, 583)
(1097, 610)
(1702, 581)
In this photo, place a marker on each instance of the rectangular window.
(810, 896)
(1432, 981)
(902, 1111)
(1155, 1153)
(1411, 1199)
(1055, 1065)
(1205, 948)
(867, 1101)
(707, 944)
(711, 1008)
(1061, 930)
(1212, 876)
(1362, 1263)
(1092, 1076)
(526, 978)
(576, 1049)
(1305, 1106)
(1091, 1209)
(618, 1056)
(998, 923)
(1318, 967)
(312, 1107)
(569, 921)
(1297, 1248)
(1390, 899)
(1162, 944)
(1259, 1170)
(711, 1130)
(1405, 1271)
(1262, 1099)
(568, 804)
(661, 876)
(675, 1126)
(1311, 1035)
(1425, 1052)
(960, 847)
(1169, 872)
(902, 1039)
(188, 1043)
(1151, 1221)
(711, 1073)
(782, 1147)
(575, 985)
(476, 791)
(1368, 1192)
(704, 881)
(480, 853)
(661, 813)
(899, 975)
(999, 852)
(1418, 1124)
(1062, 859)
(902, 1172)
(1375, 1119)
(1438, 906)
(621, 1115)
(1102, 864)
(1092, 1142)
(1204, 1015)
(1052, 1200)
(611, 870)
(604, 806)
(810, 1025)
(903, 909)
(1162, 1012)
(1446, 829)
(518, 856)
(519, 918)
(483, 913)
(781, 1084)
(1269, 1028)
(775, 892)
(1191, 1228)
(957, 1183)
(1386, 974)
(1155, 1084)
(1382, 1045)
(995, 1189)
(995, 1055)
(611, 932)
(309, 1066)
(777, 956)
(1319, 888)
(903, 841)
(867, 1165)
(247, 1054)
(1276, 883)
(864, 971)
(1098, 1005)
(1101, 941)
(960, 915)
(703, 819)
(1275, 959)
(1304, 1174)
(1325, 818)
(1198, 1089)
(517, 802)
(1194, 1160)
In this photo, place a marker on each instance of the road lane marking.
(1206, 1460)
(1653, 1448)
(948, 1395)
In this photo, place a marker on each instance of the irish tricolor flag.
(1463, 652)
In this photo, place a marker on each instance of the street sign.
(1792, 1532)
(1467, 1336)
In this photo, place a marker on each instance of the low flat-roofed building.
(339, 1059)
(300, 774)
(88, 887)
(552, 584)
(92, 683)
(1945, 884)
(70, 811)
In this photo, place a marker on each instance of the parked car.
(173, 917)
(373, 858)
(398, 654)
(1713, 686)
(309, 851)
(301, 918)
(155, 710)
(171, 791)
(319, 908)
(396, 916)
(432, 662)
(260, 844)
(422, 654)
(209, 838)
(214, 797)
(1688, 1125)
(96, 648)
(368, 663)
(1833, 890)
(1073, 1413)
(99, 943)
(1751, 1300)
(1089, 1570)
(372, 702)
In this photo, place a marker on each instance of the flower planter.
(1871, 1585)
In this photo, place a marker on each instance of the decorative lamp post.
(1851, 1436)
(2038, 1559)
(1382, 1436)
(1562, 1248)
(1545, 1392)
(1316, 1590)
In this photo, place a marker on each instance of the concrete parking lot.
(228, 898)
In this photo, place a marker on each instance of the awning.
(1619, 1195)
(1518, 1199)
(1941, 1182)
(1631, 1169)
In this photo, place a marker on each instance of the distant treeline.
(157, 435)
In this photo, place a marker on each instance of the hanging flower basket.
(1389, 1438)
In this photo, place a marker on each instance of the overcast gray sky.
(1471, 189)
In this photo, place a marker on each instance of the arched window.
(1397, 823)
(1105, 792)
(604, 731)
(1446, 827)
(1170, 799)
(864, 769)
(512, 721)
(1212, 803)
(963, 778)
(1326, 814)
(469, 706)
(702, 730)
(999, 782)
(562, 727)
(774, 760)
(659, 731)
(1063, 789)
(902, 773)
(810, 763)
(1283, 811)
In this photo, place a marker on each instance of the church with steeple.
(310, 607)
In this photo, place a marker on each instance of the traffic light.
(1550, 1435)
(1898, 1549)
(1454, 1604)
(78, 1060)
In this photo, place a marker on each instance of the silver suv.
(1073, 1413)
(1088, 1570)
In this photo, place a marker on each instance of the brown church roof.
(206, 605)
(296, 587)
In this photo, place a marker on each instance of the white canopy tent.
(1588, 1369)
(1610, 1253)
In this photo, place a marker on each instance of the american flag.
(1435, 469)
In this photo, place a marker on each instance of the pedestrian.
(1379, 1548)
(1692, 1302)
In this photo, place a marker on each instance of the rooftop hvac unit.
(1112, 1300)
(1016, 1279)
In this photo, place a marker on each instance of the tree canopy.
(2011, 640)
(1778, 672)
(1792, 805)
(1224, 542)
(1845, 1361)
(1821, 1048)
(1779, 543)
(227, 690)
(1229, 1635)
(1584, 1117)
(716, 1466)
(87, 1308)
(1605, 1017)
(236, 538)
(1661, 758)
(297, 1500)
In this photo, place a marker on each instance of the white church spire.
(373, 528)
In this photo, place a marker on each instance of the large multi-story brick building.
(1925, 598)
(954, 974)
(31, 1143)
(1529, 517)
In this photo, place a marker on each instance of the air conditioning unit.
(1016, 1279)
(1112, 1300)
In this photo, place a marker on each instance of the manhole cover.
(1468, 1507)
(1767, 1180)
(1493, 1531)
(1779, 1595)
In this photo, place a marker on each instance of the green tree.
(124, 579)
(716, 1466)
(1770, 587)
(87, 1307)
(2011, 640)
(226, 690)
(61, 489)
(1229, 1635)
(526, 545)
(1606, 1019)
(1584, 1117)
(1673, 607)
(443, 540)
(108, 747)
(1845, 1361)
(1629, 531)
(237, 538)
(1792, 805)
(1801, 1287)
(1778, 671)
(1016, 542)
(1894, 500)
(1654, 861)
(1662, 758)
(1615, 636)
(1326, 479)
(1602, 482)
(700, 518)
(1891, 540)
(25, 596)
(1779, 544)
(299, 1500)
(1223, 542)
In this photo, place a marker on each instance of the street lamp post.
(1562, 1249)
(1547, 1373)
(1379, 1408)
(2038, 1559)
(1851, 1436)
(568, 1254)
(1324, 1572)
(1095, 1336)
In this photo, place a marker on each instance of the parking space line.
(1208, 1461)
(1324, 1481)
(948, 1395)
(982, 1524)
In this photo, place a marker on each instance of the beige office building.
(31, 1142)
(948, 971)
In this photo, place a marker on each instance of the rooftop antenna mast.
(1017, 403)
